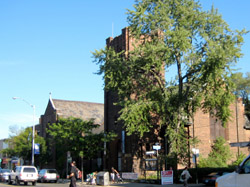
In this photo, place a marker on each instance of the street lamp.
(33, 131)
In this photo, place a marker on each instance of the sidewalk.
(153, 185)
(130, 184)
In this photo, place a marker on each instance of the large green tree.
(20, 145)
(76, 135)
(172, 36)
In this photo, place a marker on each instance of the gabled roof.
(79, 109)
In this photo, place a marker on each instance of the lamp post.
(33, 129)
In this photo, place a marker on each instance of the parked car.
(4, 174)
(48, 175)
(23, 174)
(239, 178)
(211, 178)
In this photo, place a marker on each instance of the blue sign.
(123, 142)
(37, 149)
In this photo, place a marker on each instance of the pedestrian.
(185, 175)
(113, 173)
(93, 182)
(73, 174)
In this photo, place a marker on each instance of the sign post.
(157, 147)
(195, 155)
(69, 159)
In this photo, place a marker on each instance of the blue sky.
(45, 46)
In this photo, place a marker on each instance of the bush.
(219, 155)
(238, 160)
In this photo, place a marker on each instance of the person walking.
(113, 173)
(73, 174)
(93, 182)
(185, 175)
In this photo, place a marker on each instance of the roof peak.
(75, 101)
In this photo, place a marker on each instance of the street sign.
(196, 151)
(150, 152)
(151, 164)
(69, 159)
(156, 147)
(68, 153)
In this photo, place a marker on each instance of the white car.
(24, 174)
(239, 178)
(47, 175)
(4, 174)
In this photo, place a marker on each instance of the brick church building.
(58, 108)
(128, 153)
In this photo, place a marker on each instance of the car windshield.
(29, 170)
(51, 171)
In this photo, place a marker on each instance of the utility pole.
(33, 128)
(237, 123)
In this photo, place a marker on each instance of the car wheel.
(17, 181)
(25, 183)
(33, 183)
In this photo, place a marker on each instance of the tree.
(219, 155)
(76, 135)
(167, 34)
(15, 130)
(243, 89)
(21, 145)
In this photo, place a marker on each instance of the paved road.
(153, 185)
(66, 184)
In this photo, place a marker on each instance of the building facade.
(57, 109)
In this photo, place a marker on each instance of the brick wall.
(49, 116)
(207, 129)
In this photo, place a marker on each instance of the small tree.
(239, 159)
(219, 155)
(76, 135)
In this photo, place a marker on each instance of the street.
(113, 185)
